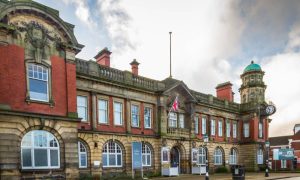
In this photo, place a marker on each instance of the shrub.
(222, 169)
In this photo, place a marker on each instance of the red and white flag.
(175, 104)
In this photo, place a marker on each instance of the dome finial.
(252, 62)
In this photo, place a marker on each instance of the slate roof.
(280, 140)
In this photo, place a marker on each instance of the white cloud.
(82, 12)
(117, 22)
(283, 89)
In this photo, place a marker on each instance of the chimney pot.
(135, 67)
(103, 57)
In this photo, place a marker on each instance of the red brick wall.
(13, 83)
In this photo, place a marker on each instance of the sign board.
(165, 155)
(136, 155)
(286, 154)
(275, 154)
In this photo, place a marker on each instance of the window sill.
(42, 170)
(103, 124)
(136, 127)
(50, 102)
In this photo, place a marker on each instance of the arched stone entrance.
(177, 159)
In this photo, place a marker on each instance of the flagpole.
(170, 54)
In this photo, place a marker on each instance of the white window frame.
(85, 107)
(81, 147)
(218, 156)
(37, 72)
(146, 117)
(233, 156)
(173, 119)
(196, 124)
(220, 128)
(260, 129)
(213, 127)
(228, 129)
(135, 115)
(117, 151)
(260, 156)
(201, 156)
(105, 111)
(146, 152)
(234, 130)
(246, 128)
(119, 112)
(203, 128)
(32, 147)
(181, 120)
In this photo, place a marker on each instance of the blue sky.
(212, 42)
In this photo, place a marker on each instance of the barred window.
(220, 128)
(40, 150)
(172, 119)
(196, 119)
(203, 125)
(260, 156)
(213, 127)
(82, 107)
(233, 156)
(102, 111)
(146, 155)
(112, 155)
(118, 113)
(201, 155)
(218, 157)
(147, 117)
(246, 130)
(38, 82)
(135, 116)
(82, 155)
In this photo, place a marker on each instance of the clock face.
(270, 109)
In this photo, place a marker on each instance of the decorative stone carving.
(40, 42)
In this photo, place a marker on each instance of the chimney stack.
(103, 57)
(135, 67)
(224, 91)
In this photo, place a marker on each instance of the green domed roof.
(252, 67)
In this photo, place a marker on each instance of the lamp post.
(267, 144)
(205, 138)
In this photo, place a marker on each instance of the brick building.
(285, 142)
(63, 116)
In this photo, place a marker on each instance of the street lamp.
(267, 144)
(205, 138)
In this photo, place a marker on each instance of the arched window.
(82, 155)
(218, 157)
(40, 150)
(146, 155)
(38, 79)
(112, 155)
(260, 156)
(233, 156)
(201, 155)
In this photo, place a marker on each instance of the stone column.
(71, 154)
(127, 114)
(94, 110)
(162, 115)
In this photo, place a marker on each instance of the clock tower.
(253, 87)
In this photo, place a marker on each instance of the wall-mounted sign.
(136, 155)
(283, 154)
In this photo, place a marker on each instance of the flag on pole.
(175, 105)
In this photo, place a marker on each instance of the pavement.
(227, 176)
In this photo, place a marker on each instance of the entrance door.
(175, 158)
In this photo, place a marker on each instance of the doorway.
(175, 158)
